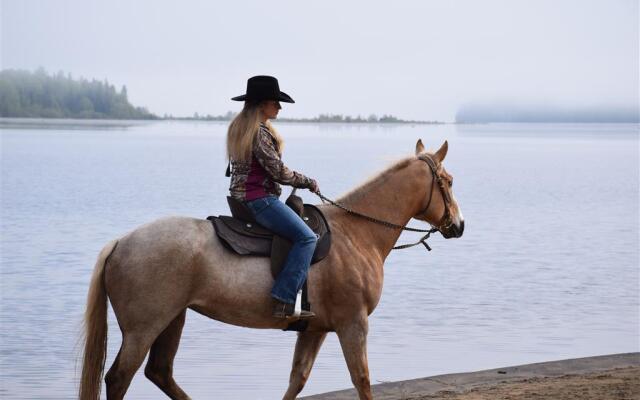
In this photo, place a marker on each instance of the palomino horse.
(155, 273)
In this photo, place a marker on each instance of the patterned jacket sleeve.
(264, 150)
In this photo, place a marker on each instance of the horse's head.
(439, 207)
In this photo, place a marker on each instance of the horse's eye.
(451, 183)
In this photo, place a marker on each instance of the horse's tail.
(95, 330)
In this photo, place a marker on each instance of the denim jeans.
(276, 216)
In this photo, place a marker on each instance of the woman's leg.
(279, 218)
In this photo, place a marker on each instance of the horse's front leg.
(353, 340)
(307, 347)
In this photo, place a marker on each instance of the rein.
(446, 218)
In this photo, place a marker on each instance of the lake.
(547, 269)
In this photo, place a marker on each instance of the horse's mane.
(378, 178)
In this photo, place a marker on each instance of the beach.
(592, 378)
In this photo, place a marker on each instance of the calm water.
(547, 268)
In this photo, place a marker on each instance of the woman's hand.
(313, 187)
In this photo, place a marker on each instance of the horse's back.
(159, 244)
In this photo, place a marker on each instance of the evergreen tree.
(25, 94)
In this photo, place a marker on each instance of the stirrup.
(298, 312)
(292, 311)
(297, 309)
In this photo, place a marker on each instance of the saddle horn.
(295, 202)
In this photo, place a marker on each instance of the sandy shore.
(593, 378)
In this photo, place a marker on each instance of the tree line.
(25, 94)
(349, 119)
(339, 118)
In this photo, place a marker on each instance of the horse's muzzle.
(453, 231)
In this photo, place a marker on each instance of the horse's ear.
(419, 147)
(442, 152)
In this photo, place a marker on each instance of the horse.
(153, 274)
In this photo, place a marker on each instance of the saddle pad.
(235, 238)
(244, 228)
(252, 239)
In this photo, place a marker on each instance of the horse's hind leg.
(131, 355)
(307, 347)
(159, 367)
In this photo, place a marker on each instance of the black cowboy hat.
(263, 87)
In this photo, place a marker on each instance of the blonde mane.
(374, 180)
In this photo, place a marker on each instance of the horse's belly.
(258, 318)
(236, 290)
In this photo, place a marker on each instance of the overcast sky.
(413, 59)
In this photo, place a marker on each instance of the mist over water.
(547, 268)
(547, 113)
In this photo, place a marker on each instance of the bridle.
(444, 223)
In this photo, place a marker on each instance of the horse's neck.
(393, 196)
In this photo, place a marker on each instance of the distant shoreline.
(117, 122)
(216, 119)
(109, 122)
(319, 121)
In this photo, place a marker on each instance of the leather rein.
(444, 222)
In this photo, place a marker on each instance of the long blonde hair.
(243, 130)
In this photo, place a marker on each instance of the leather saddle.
(243, 235)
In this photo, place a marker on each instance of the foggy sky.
(413, 59)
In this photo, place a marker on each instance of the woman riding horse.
(254, 149)
(155, 273)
